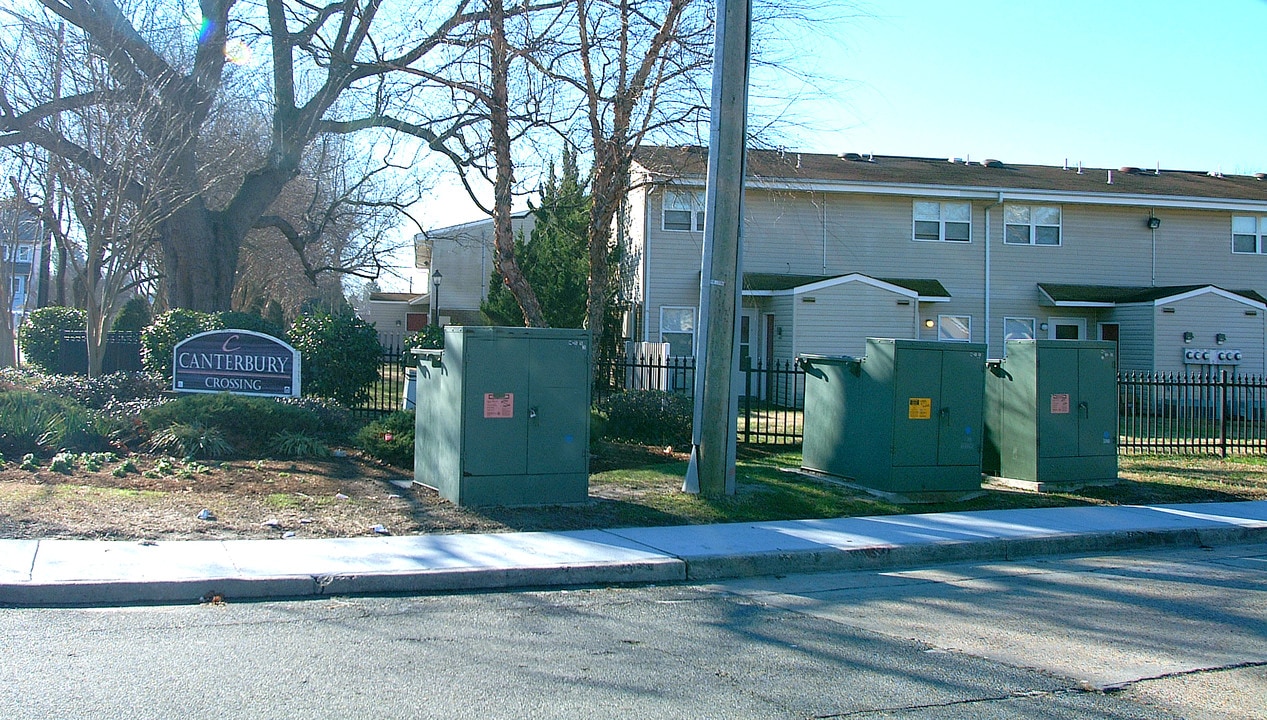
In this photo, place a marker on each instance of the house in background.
(19, 258)
(1171, 265)
(461, 256)
(395, 315)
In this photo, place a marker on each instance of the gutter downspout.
(989, 207)
(646, 266)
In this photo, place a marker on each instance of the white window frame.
(1259, 234)
(24, 253)
(18, 286)
(1033, 327)
(947, 321)
(683, 201)
(676, 328)
(1032, 225)
(920, 213)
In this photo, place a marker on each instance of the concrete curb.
(61, 573)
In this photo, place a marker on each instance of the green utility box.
(905, 419)
(502, 416)
(1051, 413)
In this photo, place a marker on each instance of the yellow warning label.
(920, 409)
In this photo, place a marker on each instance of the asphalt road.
(1157, 634)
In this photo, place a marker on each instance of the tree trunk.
(607, 190)
(499, 119)
(200, 259)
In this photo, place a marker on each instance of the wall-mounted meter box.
(502, 416)
(1051, 412)
(906, 418)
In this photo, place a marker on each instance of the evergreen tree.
(555, 260)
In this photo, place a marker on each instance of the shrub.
(99, 391)
(193, 440)
(41, 334)
(341, 356)
(134, 316)
(159, 340)
(296, 445)
(249, 321)
(430, 337)
(650, 417)
(40, 424)
(246, 423)
(336, 421)
(390, 439)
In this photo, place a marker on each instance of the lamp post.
(435, 297)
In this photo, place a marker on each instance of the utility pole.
(712, 467)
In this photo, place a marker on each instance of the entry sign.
(242, 362)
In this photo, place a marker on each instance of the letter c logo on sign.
(233, 341)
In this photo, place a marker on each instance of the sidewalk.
(87, 572)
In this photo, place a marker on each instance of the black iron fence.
(122, 352)
(1160, 413)
(1199, 414)
(771, 394)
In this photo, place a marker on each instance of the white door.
(1066, 328)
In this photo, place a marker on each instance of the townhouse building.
(19, 257)
(1171, 265)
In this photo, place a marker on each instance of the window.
(954, 328)
(1247, 234)
(24, 253)
(683, 211)
(677, 328)
(1031, 225)
(1018, 328)
(19, 286)
(942, 221)
(1063, 328)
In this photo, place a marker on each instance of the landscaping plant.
(340, 354)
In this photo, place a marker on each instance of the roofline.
(1177, 297)
(980, 192)
(1206, 290)
(851, 277)
(470, 223)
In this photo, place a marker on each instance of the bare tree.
(323, 64)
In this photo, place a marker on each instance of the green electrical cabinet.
(502, 416)
(906, 418)
(1051, 413)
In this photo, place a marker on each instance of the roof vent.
(991, 163)
(1215, 173)
(1129, 170)
(1260, 176)
(853, 157)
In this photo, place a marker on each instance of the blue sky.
(1109, 83)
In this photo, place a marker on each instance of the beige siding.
(785, 327)
(1136, 341)
(463, 255)
(843, 316)
(1204, 316)
(672, 265)
(1196, 247)
(830, 234)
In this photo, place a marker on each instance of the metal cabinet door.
(1097, 407)
(1058, 399)
(962, 406)
(495, 417)
(917, 398)
(558, 410)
